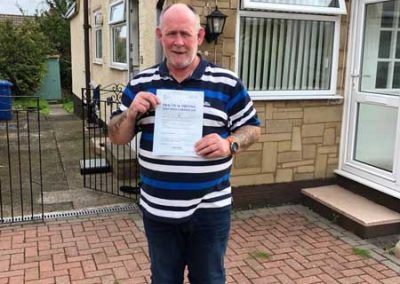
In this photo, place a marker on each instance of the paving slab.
(339, 199)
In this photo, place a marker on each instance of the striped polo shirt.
(174, 187)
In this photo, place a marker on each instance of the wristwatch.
(234, 146)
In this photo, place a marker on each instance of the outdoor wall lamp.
(215, 25)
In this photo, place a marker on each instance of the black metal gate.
(21, 184)
(106, 167)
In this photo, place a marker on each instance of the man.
(186, 201)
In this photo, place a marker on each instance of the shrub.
(23, 52)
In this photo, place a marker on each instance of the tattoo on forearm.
(246, 136)
(115, 124)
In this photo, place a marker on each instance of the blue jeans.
(199, 243)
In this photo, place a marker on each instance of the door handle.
(359, 75)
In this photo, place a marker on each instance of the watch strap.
(230, 139)
(233, 144)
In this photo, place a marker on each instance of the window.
(99, 45)
(119, 41)
(119, 35)
(288, 54)
(98, 36)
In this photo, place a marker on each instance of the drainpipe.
(160, 4)
(86, 28)
(159, 51)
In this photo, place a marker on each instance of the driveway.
(287, 244)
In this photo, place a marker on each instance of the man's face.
(180, 37)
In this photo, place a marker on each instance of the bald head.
(180, 10)
(180, 35)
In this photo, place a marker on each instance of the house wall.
(77, 52)
(300, 138)
(103, 73)
(147, 35)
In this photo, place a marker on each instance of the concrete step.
(358, 214)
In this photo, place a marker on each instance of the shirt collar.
(197, 73)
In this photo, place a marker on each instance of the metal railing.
(106, 167)
(21, 180)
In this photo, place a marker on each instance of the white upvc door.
(370, 148)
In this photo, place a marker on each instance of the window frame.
(98, 27)
(294, 8)
(116, 64)
(331, 93)
(112, 5)
(116, 24)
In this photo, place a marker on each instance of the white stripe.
(242, 112)
(150, 155)
(219, 79)
(183, 214)
(184, 203)
(146, 120)
(141, 80)
(213, 123)
(220, 70)
(185, 169)
(123, 107)
(244, 120)
(149, 71)
(215, 112)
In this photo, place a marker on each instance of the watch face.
(234, 147)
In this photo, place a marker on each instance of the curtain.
(285, 54)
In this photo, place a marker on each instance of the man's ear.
(200, 36)
(158, 33)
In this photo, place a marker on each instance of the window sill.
(98, 62)
(119, 67)
(295, 98)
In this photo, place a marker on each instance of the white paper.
(178, 123)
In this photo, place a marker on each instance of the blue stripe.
(224, 135)
(183, 185)
(152, 90)
(128, 92)
(216, 95)
(147, 136)
(240, 96)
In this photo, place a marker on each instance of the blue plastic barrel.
(5, 100)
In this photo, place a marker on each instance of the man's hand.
(143, 102)
(213, 146)
(121, 128)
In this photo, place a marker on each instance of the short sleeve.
(241, 110)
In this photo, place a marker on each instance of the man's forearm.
(121, 129)
(246, 135)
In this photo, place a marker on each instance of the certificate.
(178, 122)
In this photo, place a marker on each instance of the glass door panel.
(375, 135)
(380, 70)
